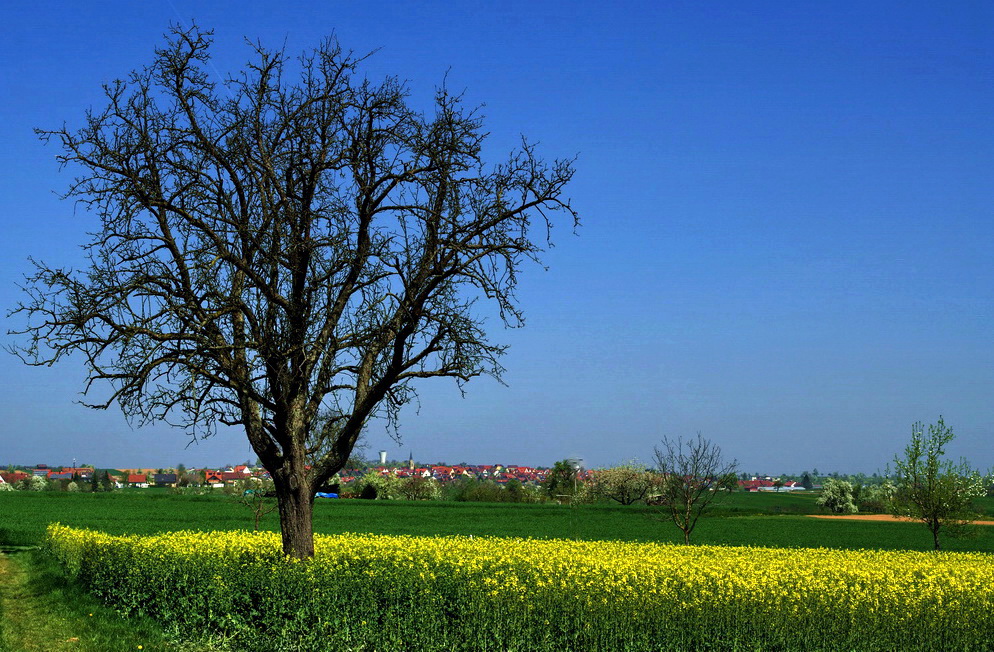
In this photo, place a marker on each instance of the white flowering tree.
(377, 486)
(934, 490)
(837, 497)
(626, 484)
(419, 488)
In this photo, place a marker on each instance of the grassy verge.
(41, 609)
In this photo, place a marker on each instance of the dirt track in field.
(878, 517)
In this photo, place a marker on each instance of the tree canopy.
(288, 251)
(625, 484)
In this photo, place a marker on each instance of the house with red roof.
(13, 477)
(442, 472)
(82, 472)
(769, 484)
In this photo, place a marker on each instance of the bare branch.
(694, 475)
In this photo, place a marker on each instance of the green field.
(776, 520)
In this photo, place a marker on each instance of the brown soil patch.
(878, 517)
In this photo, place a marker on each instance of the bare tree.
(288, 252)
(256, 494)
(694, 476)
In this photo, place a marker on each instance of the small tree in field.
(290, 251)
(258, 495)
(932, 489)
(694, 476)
(877, 498)
(417, 487)
(837, 497)
(561, 483)
(374, 486)
(625, 484)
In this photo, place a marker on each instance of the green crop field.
(776, 520)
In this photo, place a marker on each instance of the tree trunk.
(935, 536)
(296, 505)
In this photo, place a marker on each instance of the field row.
(388, 592)
(770, 521)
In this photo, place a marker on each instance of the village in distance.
(348, 482)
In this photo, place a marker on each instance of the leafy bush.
(561, 483)
(516, 491)
(876, 498)
(488, 491)
(837, 497)
(419, 488)
(374, 486)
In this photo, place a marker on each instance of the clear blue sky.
(787, 245)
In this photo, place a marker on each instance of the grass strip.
(41, 609)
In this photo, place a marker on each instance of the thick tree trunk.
(296, 505)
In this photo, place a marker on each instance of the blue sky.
(786, 242)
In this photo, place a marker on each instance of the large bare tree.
(288, 251)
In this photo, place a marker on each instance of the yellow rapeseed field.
(439, 593)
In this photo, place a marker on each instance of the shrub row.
(364, 592)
